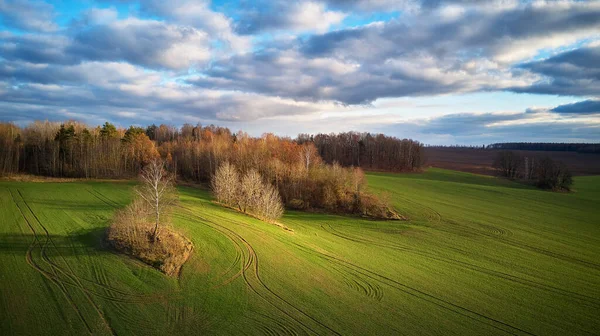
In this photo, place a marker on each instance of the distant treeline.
(194, 152)
(369, 151)
(543, 146)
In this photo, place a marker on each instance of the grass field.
(477, 256)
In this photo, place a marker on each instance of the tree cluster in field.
(369, 151)
(293, 167)
(248, 193)
(141, 230)
(544, 146)
(544, 172)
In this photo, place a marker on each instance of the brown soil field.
(479, 161)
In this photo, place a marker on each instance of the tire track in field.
(505, 276)
(69, 272)
(499, 234)
(444, 304)
(133, 298)
(116, 294)
(47, 275)
(251, 276)
(358, 283)
(248, 260)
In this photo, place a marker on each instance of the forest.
(310, 172)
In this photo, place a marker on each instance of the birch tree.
(157, 191)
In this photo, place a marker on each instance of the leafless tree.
(226, 184)
(270, 206)
(251, 188)
(308, 151)
(157, 190)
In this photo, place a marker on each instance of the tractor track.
(251, 276)
(590, 301)
(444, 304)
(70, 273)
(51, 277)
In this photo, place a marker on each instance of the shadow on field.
(78, 243)
(70, 205)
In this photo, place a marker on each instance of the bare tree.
(270, 205)
(307, 153)
(157, 190)
(251, 188)
(226, 184)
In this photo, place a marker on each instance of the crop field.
(477, 256)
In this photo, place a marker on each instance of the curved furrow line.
(70, 270)
(282, 329)
(46, 274)
(237, 260)
(255, 283)
(359, 284)
(591, 301)
(496, 231)
(444, 304)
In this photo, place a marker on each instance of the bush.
(378, 207)
(131, 232)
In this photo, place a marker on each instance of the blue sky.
(440, 71)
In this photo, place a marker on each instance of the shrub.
(131, 232)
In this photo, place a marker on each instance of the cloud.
(303, 16)
(575, 72)
(27, 15)
(582, 107)
(501, 35)
(150, 43)
(428, 53)
(310, 64)
(198, 14)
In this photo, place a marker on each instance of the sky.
(447, 72)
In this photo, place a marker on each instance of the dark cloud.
(490, 33)
(582, 107)
(36, 48)
(27, 15)
(574, 73)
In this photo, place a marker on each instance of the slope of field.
(478, 256)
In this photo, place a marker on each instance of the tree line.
(366, 150)
(544, 146)
(542, 171)
(294, 168)
(73, 149)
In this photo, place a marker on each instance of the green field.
(477, 256)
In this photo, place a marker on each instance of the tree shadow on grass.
(78, 243)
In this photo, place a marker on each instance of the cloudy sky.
(439, 71)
